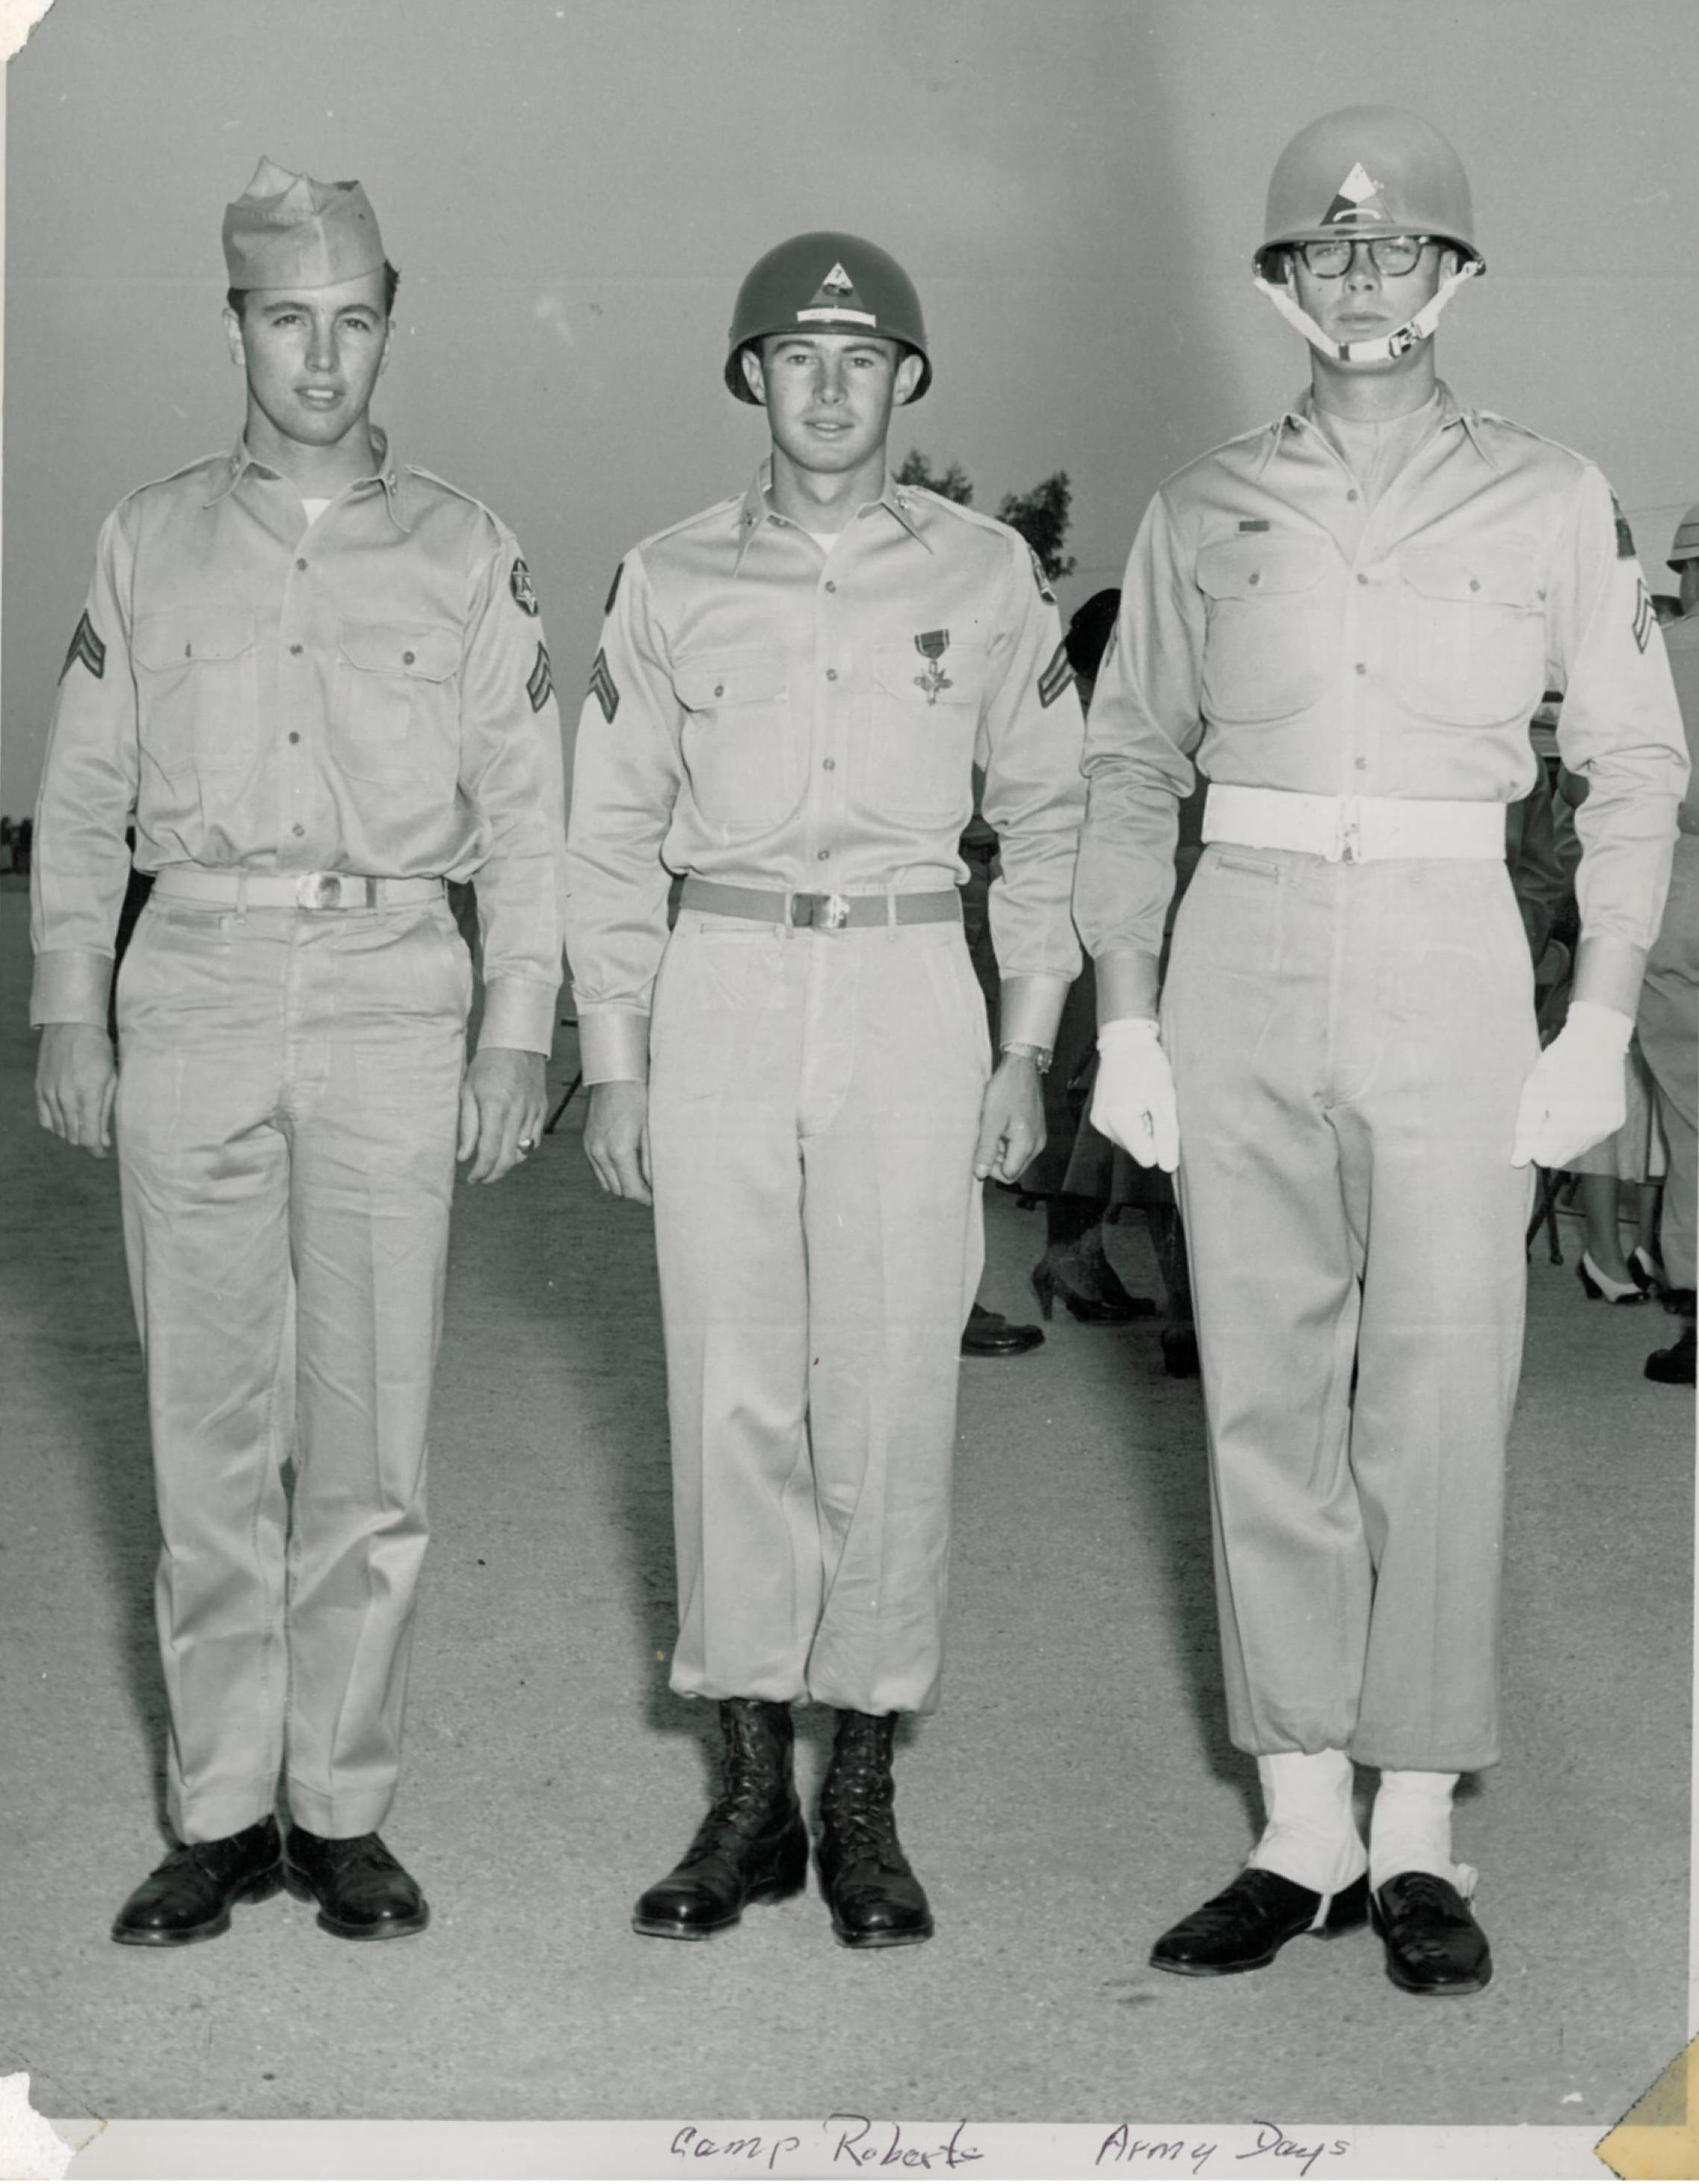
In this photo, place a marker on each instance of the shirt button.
(300, 565)
(295, 735)
(828, 766)
(831, 675)
(1363, 667)
(297, 832)
(295, 650)
(822, 856)
(408, 659)
(1256, 577)
(1353, 494)
(1362, 579)
(1475, 583)
(830, 586)
(719, 690)
(1362, 764)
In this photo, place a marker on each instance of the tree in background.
(1041, 517)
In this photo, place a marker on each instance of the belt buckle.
(1349, 839)
(833, 912)
(319, 891)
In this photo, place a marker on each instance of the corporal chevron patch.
(603, 687)
(1039, 579)
(539, 687)
(1644, 617)
(1056, 677)
(86, 647)
(1624, 535)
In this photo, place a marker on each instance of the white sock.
(1410, 1829)
(1310, 1836)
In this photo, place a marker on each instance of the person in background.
(1669, 1023)
(792, 693)
(315, 681)
(1349, 617)
(1632, 1158)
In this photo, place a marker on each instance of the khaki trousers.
(287, 1099)
(1670, 1040)
(814, 1102)
(1349, 1045)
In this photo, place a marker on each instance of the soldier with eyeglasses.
(1344, 621)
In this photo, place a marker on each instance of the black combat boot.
(753, 1846)
(876, 1902)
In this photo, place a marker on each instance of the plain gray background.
(573, 188)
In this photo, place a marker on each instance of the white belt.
(1351, 829)
(290, 890)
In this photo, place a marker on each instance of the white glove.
(1133, 1104)
(1576, 1093)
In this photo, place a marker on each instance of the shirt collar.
(242, 459)
(755, 509)
(1449, 415)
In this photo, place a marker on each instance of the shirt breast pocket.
(739, 744)
(196, 686)
(1471, 648)
(394, 711)
(918, 758)
(1266, 648)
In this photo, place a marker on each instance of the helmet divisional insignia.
(1358, 197)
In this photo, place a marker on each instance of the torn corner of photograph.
(18, 17)
(1659, 2136)
(31, 2150)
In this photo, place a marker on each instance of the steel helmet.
(1685, 547)
(1368, 170)
(826, 283)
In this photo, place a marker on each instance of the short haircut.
(235, 297)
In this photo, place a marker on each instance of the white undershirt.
(1376, 450)
(825, 540)
(315, 508)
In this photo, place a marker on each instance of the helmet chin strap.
(1385, 348)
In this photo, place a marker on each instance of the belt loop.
(787, 930)
(241, 898)
(891, 909)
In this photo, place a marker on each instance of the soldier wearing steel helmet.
(793, 690)
(313, 680)
(1669, 1021)
(1344, 621)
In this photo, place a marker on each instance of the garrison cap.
(288, 232)
(1685, 547)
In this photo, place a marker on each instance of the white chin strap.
(1385, 348)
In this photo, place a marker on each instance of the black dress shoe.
(988, 1334)
(1432, 1943)
(1248, 1924)
(876, 1902)
(363, 1894)
(188, 1898)
(753, 1846)
(1674, 1367)
(1179, 1342)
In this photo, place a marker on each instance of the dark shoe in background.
(188, 1897)
(876, 1902)
(988, 1334)
(1180, 1350)
(752, 1847)
(1433, 1944)
(362, 1893)
(1249, 1923)
(1674, 1367)
(1088, 1285)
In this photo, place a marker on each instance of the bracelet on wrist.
(1041, 1057)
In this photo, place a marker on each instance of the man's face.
(1364, 304)
(312, 355)
(829, 397)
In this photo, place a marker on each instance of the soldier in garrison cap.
(1347, 619)
(315, 681)
(1669, 1023)
(792, 693)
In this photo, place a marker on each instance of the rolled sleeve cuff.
(1128, 984)
(518, 1012)
(1607, 971)
(613, 1045)
(1029, 1008)
(71, 986)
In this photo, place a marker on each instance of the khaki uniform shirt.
(765, 714)
(370, 693)
(1681, 641)
(1292, 639)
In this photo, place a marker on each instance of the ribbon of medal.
(932, 644)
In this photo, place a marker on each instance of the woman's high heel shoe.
(1111, 1307)
(1601, 1288)
(1647, 1274)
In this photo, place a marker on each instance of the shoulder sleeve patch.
(1056, 677)
(520, 585)
(603, 687)
(1624, 536)
(614, 588)
(1039, 579)
(539, 685)
(86, 647)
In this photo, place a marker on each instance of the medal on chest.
(932, 644)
